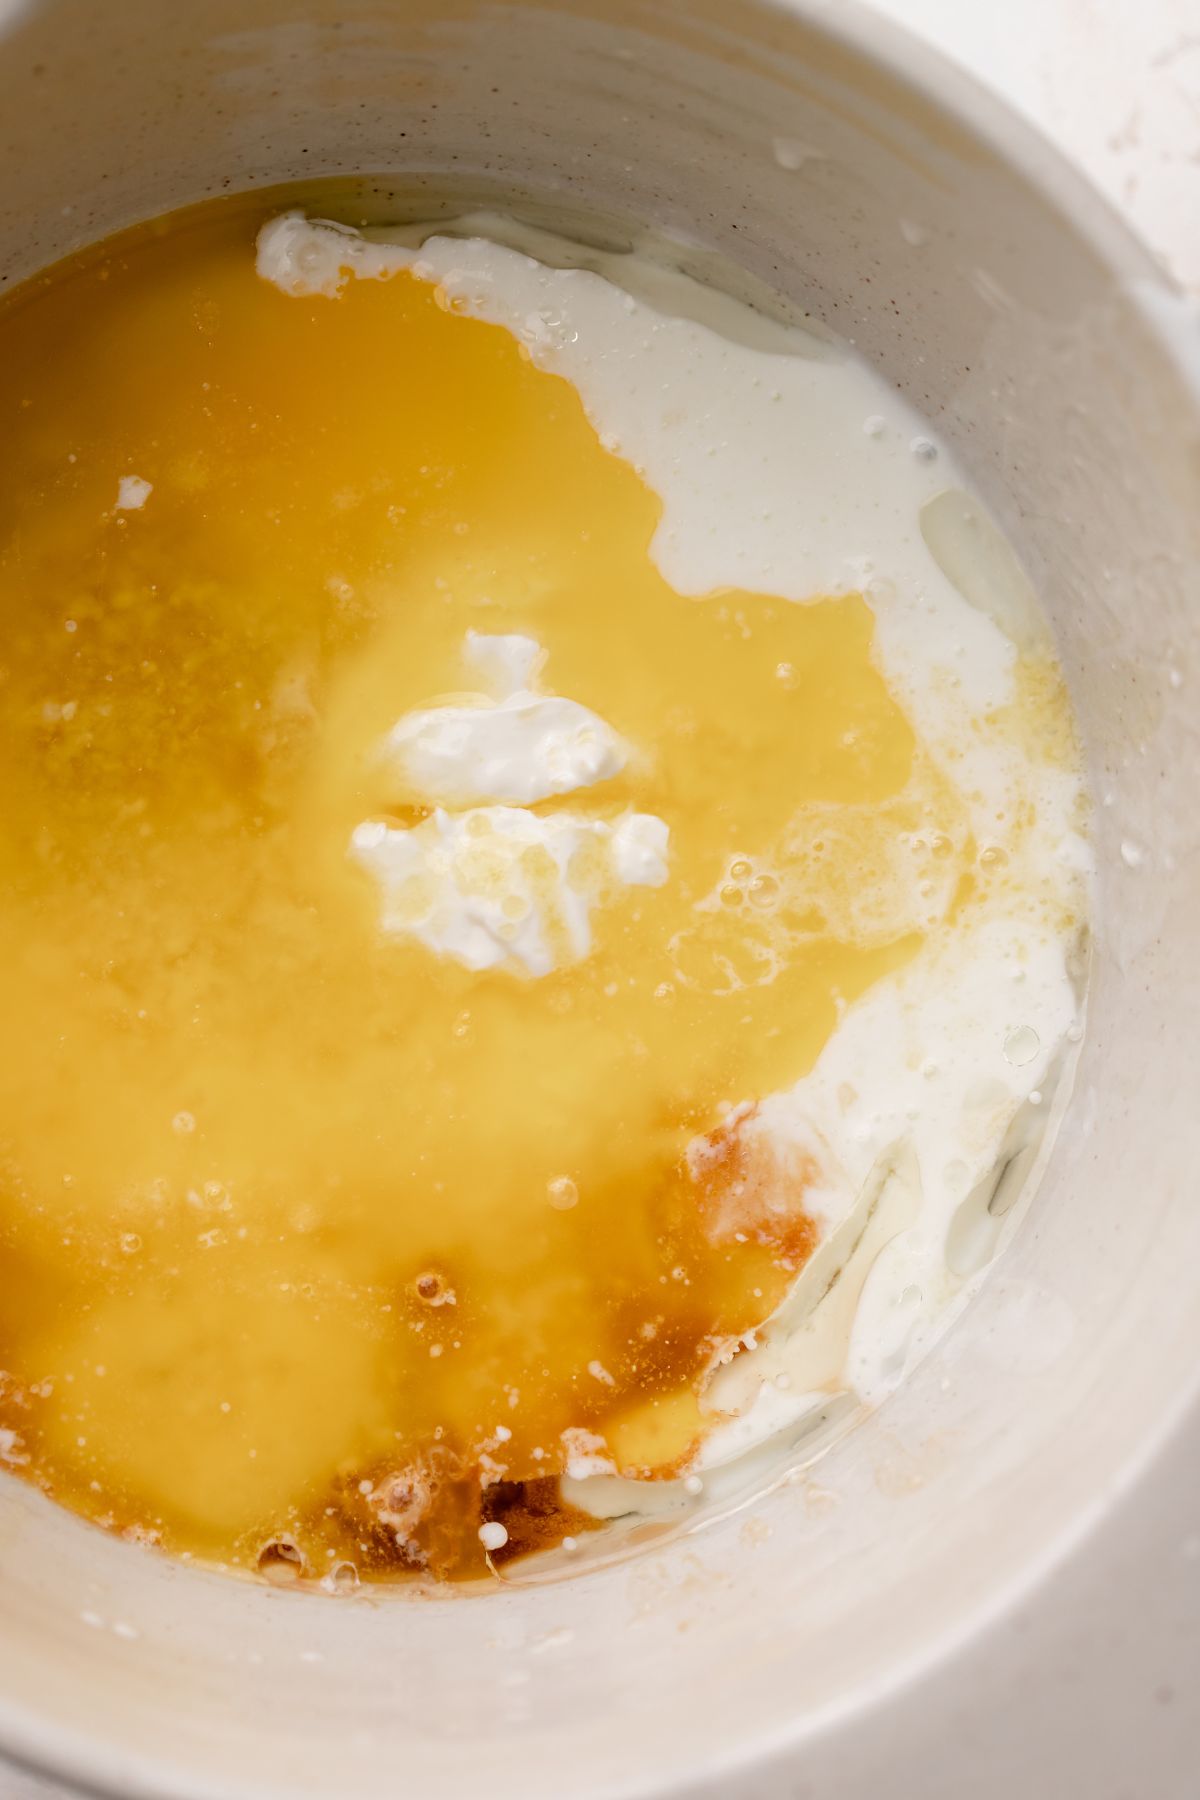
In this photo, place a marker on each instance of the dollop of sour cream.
(519, 748)
(485, 880)
(500, 886)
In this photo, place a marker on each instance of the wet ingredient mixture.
(413, 882)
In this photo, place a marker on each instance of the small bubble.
(874, 425)
(739, 869)
(731, 894)
(131, 1243)
(183, 1123)
(563, 1193)
(493, 1535)
(924, 449)
(1021, 1046)
(693, 1485)
(764, 890)
(281, 1560)
(341, 1579)
(1132, 855)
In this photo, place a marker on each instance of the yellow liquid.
(277, 1219)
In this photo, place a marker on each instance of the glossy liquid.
(283, 1241)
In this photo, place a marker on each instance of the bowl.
(869, 1605)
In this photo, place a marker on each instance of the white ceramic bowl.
(806, 1640)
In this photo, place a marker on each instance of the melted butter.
(282, 1201)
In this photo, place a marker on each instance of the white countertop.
(1116, 84)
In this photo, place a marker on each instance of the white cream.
(787, 466)
(499, 886)
(517, 749)
(496, 885)
(507, 662)
(915, 1095)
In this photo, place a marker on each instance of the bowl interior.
(979, 276)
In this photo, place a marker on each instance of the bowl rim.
(903, 53)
